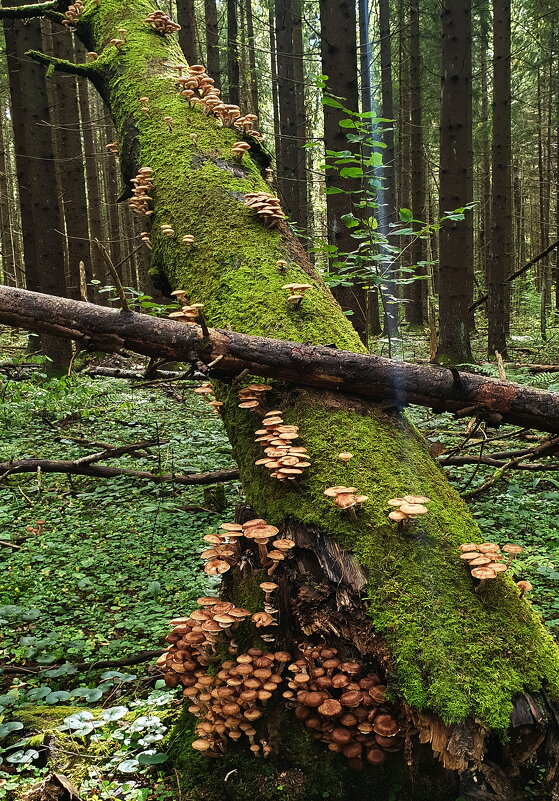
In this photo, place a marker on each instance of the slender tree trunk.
(416, 308)
(8, 263)
(233, 74)
(365, 62)
(40, 214)
(338, 48)
(501, 211)
(456, 183)
(485, 166)
(291, 172)
(274, 76)
(253, 76)
(186, 17)
(71, 167)
(387, 196)
(212, 41)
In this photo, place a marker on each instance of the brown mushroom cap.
(483, 573)
(467, 556)
(413, 509)
(469, 546)
(512, 549)
(330, 708)
(201, 745)
(524, 586)
(416, 499)
(397, 516)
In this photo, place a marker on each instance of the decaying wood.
(100, 471)
(397, 383)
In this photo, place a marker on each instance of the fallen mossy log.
(472, 671)
(397, 383)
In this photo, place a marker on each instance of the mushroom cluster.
(188, 313)
(345, 497)
(144, 236)
(72, 16)
(207, 391)
(408, 508)
(488, 559)
(198, 87)
(167, 230)
(296, 292)
(227, 701)
(161, 22)
(143, 184)
(239, 149)
(252, 396)
(112, 148)
(118, 42)
(285, 460)
(266, 206)
(344, 706)
(226, 547)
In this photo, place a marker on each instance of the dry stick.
(114, 451)
(512, 276)
(100, 471)
(112, 269)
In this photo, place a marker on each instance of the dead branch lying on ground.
(395, 383)
(100, 471)
(137, 659)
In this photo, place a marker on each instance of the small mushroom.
(524, 587)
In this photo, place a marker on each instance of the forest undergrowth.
(113, 560)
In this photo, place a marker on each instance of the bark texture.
(482, 653)
(397, 383)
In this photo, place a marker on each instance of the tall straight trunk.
(9, 275)
(253, 76)
(70, 167)
(212, 41)
(365, 62)
(291, 173)
(91, 179)
(387, 195)
(274, 77)
(456, 183)
(338, 49)
(416, 307)
(39, 203)
(112, 192)
(233, 73)
(186, 17)
(459, 691)
(404, 132)
(501, 207)
(485, 210)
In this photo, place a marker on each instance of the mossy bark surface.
(453, 653)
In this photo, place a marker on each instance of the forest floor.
(114, 560)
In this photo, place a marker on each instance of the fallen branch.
(143, 656)
(100, 471)
(120, 372)
(399, 383)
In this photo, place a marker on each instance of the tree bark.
(39, 203)
(456, 186)
(338, 49)
(233, 76)
(470, 674)
(501, 211)
(212, 41)
(417, 291)
(186, 18)
(374, 377)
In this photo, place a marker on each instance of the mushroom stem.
(481, 586)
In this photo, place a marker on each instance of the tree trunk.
(253, 75)
(233, 76)
(186, 17)
(292, 181)
(338, 49)
(501, 211)
(212, 41)
(71, 167)
(482, 652)
(417, 306)
(456, 187)
(39, 203)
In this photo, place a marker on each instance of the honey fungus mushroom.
(408, 508)
(345, 497)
